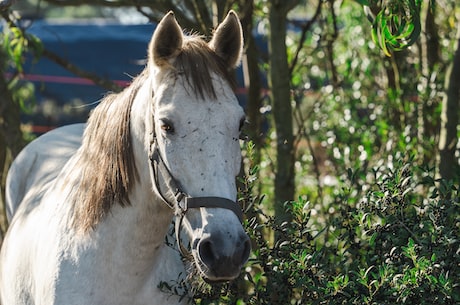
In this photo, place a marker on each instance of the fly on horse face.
(90, 205)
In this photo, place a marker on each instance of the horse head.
(194, 122)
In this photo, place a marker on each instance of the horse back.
(39, 163)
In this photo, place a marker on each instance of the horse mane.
(108, 169)
(106, 158)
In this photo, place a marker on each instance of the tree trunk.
(279, 79)
(448, 165)
(427, 126)
(252, 81)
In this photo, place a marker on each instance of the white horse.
(91, 205)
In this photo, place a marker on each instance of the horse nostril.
(224, 258)
(206, 252)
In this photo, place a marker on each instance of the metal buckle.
(181, 201)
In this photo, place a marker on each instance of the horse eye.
(167, 127)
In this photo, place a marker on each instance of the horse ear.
(166, 41)
(227, 40)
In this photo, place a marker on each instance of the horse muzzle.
(220, 256)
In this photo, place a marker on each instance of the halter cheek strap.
(178, 200)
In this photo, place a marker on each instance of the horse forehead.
(178, 92)
(224, 113)
(224, 108)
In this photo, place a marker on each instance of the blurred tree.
(11, 139)
(279, 81)
(252, 77)
(430, 50)
(448, 139)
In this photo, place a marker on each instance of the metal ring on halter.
(183, 201)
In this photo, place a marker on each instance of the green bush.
(396, 244)
(381, 229)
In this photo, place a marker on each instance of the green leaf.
(373, 239)
(397, 25)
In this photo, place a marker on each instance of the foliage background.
(346, 197)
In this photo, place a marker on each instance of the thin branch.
(305, 29)
(330, 45)
(303, 133)
(5, 4)
(202, 16)
(149, 16)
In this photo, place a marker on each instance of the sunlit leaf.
(397, 25)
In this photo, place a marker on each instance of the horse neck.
(132, 236)
(148, 218)
(139, 230)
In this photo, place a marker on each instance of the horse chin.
(211, 279)
(212, 276)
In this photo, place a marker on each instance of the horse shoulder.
(27, 267)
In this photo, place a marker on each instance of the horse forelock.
(106, 159)
(197, 62)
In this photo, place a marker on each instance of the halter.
(177, 199)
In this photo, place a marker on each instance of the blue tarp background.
(114, 51)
